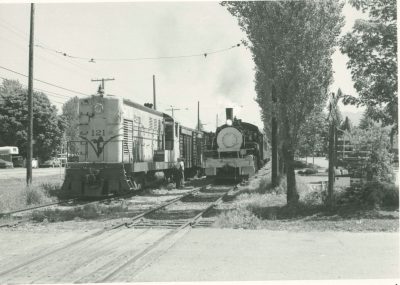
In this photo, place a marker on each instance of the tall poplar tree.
(292, 43)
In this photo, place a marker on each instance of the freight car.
(122, 144)
(237, 151)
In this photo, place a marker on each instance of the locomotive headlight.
(229, 122)
(98, 108)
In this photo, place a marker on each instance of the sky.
(133, 30)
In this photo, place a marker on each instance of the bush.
(314, 198)
(36, 196)
(51, 189)
(308, 171)
(373, 193)
(238, 218)
(298, 164)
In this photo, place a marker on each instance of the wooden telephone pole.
(331, 151)
(172, 109)
(30, 100)
(102, 81)
(154, 92)
(198, 116)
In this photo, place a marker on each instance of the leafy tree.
(70, 116)
(372, 50)
(376, 140)
(365, 122)
(313, 135)
(47, 125)
(292, 43)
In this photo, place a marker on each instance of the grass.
(259, 206)
(86, 212)
(15, 195)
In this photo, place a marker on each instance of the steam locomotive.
(238, 150)
(123, 143)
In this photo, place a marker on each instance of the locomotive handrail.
(125, 144)
(84, 142)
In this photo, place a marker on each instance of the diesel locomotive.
(122, 143)
(237, 151)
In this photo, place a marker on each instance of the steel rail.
(132, 220)
(97, 233)
(173, 232)
(12, 223)
(36, 207)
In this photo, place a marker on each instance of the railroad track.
(69, 202)
(120, 251)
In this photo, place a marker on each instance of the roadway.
(20, 173)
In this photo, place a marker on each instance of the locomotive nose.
(229, 140)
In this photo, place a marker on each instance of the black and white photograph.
(199, 141)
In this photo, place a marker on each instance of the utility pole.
(172, 109)
(216, 122)
(154, 92)
(274, 141)
(198, 116)
(102, 81)
(30, 100)
(331, 151)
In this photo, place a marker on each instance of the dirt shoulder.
(249, 255)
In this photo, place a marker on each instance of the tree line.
(51, 130)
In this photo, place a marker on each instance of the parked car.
(53, 162)
(18, 161)
(6, 164)
(63, 159)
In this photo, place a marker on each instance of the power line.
(48, 60)
(46, 92)
(51, 84)
(94, 60)
(61, 96)
(172, 109)
(44, 46)
(22, 36)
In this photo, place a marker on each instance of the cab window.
(169, 136)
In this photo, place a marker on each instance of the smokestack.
(229, 114)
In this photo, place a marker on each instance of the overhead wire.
(43, 46)
(47, 92)
(95, 59)
(23, 36)
(44, 82)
